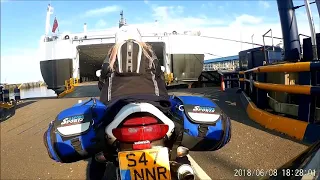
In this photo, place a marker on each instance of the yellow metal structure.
(288, 67)
(168, 78)
(292, 127)
(69, 87)
(295, 89)
(20, 85)
(76, 81)
(6, 105)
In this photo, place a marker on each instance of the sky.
(23, 23)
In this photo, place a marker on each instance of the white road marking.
(198, 170)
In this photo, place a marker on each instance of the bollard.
(1, 94)
(6, 95)
(222, 88)
(17, 94)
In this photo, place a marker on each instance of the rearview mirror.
(98, 73)
(163, 68)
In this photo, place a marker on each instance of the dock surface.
(24, 156)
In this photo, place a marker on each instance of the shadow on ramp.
(230, 166)
(39, 98)
(26, 103)
(6, 114)
(106, 171)
(84, 91)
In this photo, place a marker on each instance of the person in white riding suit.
(130, 73)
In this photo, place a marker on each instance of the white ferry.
(80, 55)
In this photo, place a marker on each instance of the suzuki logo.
(203, 109)
(71, 120)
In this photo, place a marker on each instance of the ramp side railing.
(255, 91)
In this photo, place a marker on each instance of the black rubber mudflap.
(110, 172)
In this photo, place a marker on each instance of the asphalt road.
(23, 154)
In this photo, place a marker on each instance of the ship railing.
(300, 117)
(98, 34)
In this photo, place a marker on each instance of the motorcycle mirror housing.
(98, 73)
(182, 151)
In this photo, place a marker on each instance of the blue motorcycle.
(140, 141)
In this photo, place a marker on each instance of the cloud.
(241, 31)
(146, 1)
(92, 13)
(264, 4)
(302, 18)
(240, 27)
(101, 11)
(206, 5)
(164, 12)
(174, 16)
(301, 15)
(24, 61)
(101, 24)
(64, 22)
(247, 19)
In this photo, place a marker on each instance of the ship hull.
(55, 72)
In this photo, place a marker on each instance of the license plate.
(150, 164)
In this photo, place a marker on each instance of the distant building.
(224, 63)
